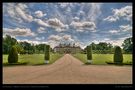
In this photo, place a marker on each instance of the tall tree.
(8, 42)
(128, 45)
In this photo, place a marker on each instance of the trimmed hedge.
(13, 55)
(89, 53)
(118, 56)
(47, 52)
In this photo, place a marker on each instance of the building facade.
(67, 48)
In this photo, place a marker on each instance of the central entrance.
(67, 50)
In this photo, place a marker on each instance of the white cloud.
(57, 25)
(76, 19)
(54, 22)
(63, 5)
(23, 14)
(111, 19)
(95, 11)
(81, 26)
(18, 32)
(33, 41)
(41, 22)
(125, 27)
(67, 38)
(124, 12)
(41, 30)
(18, 12)
(39, 14)
(40, 38)
(54, 38)
(113, 31)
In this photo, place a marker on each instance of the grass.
(103, 58)
(34, 59)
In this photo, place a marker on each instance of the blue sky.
(79, 23)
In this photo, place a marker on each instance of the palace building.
(67, 48)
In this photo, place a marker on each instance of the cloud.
(111, 19)
(18, 32)
(54, 40)
(18, 12)
(125, 27)
(81, 26)
(33, 41)
(54, 22)
(39, 14)
(40, 38)
(113, 31)
(57, 25)
(95, 11)
(76, 19)
(122, 28)
(41, 30)
(124, 12)
(67, 38)
(117, 42)
(41, 22)
(63, 5)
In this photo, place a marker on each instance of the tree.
(89, 54)
(102, 47)
(13, 55)
(26, 46)
(128, 45)
(8, 42)
(47, 53)
(19, 48)
(118, 56)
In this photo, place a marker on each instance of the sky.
(79, 23)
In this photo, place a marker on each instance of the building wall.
(67, 50)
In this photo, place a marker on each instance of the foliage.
(128, 45)
(118, 56)
(47, 52)
(13, 55)
(8, 42)
(101, 48)
(89, 53)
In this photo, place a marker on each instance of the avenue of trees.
(28, 48)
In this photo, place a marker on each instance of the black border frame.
(67, 86)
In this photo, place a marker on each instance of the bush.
(118, 56)
(47, 52)
(13, 55)
(89, 53)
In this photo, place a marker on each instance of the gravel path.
(68, 70)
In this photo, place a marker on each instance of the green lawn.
(102, 58)
(34, 59)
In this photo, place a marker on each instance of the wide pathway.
(67, 70)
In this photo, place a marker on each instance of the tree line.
(106, 48)
(28, 48)
(22, 47)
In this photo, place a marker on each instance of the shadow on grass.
(15, 64)
(40, 64)
(118, 64)
(109, 64)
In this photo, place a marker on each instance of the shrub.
(47, 52)
(89, 53)
(13, 55)
(118, 56)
